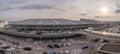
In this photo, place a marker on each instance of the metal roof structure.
(52, 22)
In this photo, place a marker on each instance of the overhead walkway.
(103, 35)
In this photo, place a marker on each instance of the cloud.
(118, 5)
(12, 1)
(83, 14)
(5, 8)
(117, 11)
(40, 6)
(36, 6)
(30, 7)
(16, 2)
(6, 5)
(72, 7)
(60, 9)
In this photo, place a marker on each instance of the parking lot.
(39, 48)
(75, 48)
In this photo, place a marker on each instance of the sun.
(104, 10)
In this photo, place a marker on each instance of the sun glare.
(104, 9)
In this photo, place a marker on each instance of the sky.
(13, 10)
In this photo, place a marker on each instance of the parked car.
(63, 45)
(6, 47)
(106, 40)
(57, 45)
(52, 52)
(68, 44)
(45, 52)
(51, 46)
(27, 48)
(67, 52)
(3, 45)
(84, 47)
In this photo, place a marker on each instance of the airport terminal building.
(42, 28)
(51, 25)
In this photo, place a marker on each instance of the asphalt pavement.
(75, 48)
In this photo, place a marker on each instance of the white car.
(3, 45)
(68, 44)
(63, 44)
(67, 52)
(11, 49)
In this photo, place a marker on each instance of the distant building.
(3, 23)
